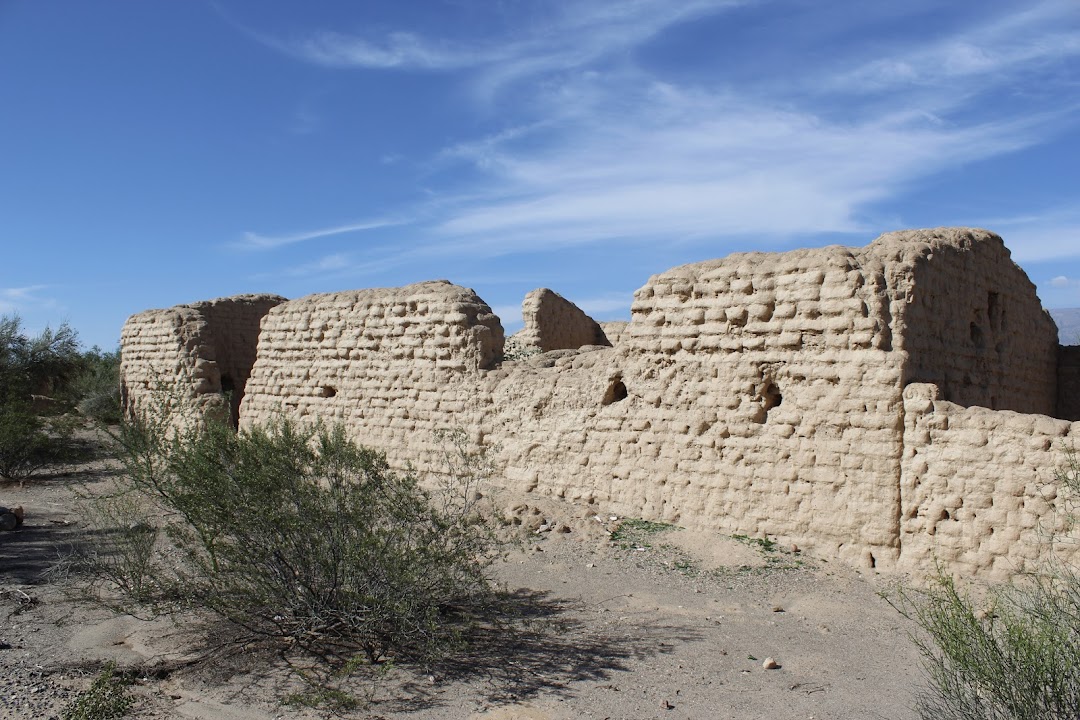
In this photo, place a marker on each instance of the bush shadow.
(534, 643)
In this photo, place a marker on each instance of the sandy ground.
(665, 624)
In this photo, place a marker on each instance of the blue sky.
(154, 153)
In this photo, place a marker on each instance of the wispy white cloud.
(557, 37)
(599, 148)
(692, 165)
(16, 300)
(607, 305)
(1043, 237)
(992, 53)
(11, 299)
(397, 50)
(256, 241)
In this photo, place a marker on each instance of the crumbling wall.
(201, 353)
(554, 323)
(978, 486)
(973, 324)
(393, 365)
(762, 394)
(614, 331)
(767, 387)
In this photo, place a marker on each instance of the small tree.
(1017, 659)
(30, 365)
(95, 387)
(35, 365)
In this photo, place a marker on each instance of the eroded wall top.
(554, 323)
(202, 352)
(339, 356)
(969, 320)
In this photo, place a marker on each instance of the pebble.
(770, 664)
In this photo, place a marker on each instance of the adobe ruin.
(885, 405)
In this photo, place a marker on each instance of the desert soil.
(662, 624)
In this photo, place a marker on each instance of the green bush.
(1017, 656)
(35, 365)
(106, 699)
(24, 446)
(298, 533)
(95, 388)
(49, 364)
(29, 443)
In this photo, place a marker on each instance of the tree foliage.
(29, 366)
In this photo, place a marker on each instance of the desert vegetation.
(296, 536)
(42, 378)
(1015, 654)
(300, 539)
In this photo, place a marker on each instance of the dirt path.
(649, 622)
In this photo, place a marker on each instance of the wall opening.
(327, 391)
(228, 389)
(615, 392)
(976, 335)
(993, 311)
(771, 396)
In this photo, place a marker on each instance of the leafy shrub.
(28, 443)
(35, 365)
(24, 446)
(30, 365)
(106, 699)
(95, 388)
(298, 533)
(1017, 658)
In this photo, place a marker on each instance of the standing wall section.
(182, 354)
(979, 486)
(164, 358)
(973, 324)
(554, 323)
(393, 365)
(759, 394)
(782, 367)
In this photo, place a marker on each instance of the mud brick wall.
(973, 324)
(393, 365)
(554, 323)
(978, 489)
(883, 405)
(192, 348)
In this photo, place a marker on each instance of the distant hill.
(1068, 322)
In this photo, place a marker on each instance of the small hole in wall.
(993, 310)
(771, 396)
(976, 335)
(616, 391)
(327, 391)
